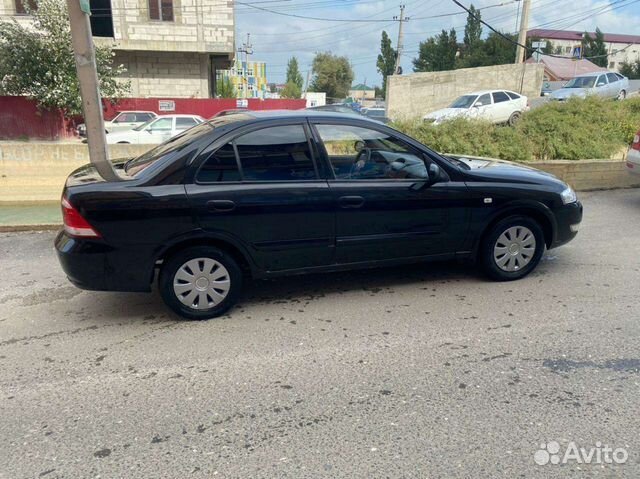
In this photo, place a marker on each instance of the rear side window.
(185, 123)
(500, 96)
(220, 166)
(612, 77)
(513, 96)
(279, 153)
(142, 117)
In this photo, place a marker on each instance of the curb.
(23, 228)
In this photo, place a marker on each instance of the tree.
(37, 61)
(594, 49)
(331, 74)
(437, 53)
(472, 32)
(225, 88)
(293, 74)
(379, 92)
(386, 60)
(291, 90)
(630, 69)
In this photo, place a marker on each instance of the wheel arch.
(538, 212)
(229, 246)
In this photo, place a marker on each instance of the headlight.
(568, 196)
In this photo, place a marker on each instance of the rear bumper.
(96, 266)
(568, 219)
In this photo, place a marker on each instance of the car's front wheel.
(512, 248)
(200, 282)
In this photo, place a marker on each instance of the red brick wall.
(21, 119)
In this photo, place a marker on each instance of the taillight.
(74, 223)
(636, 142)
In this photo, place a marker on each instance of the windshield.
(136, 165)
(144, 125)
(581, 82)
(464, 101)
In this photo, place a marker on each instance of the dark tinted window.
(359, 153)
(279, 153)
(161, 10)
(220, 166)
(612, 77)
(500, 96)
(184, 123)
(512, 95)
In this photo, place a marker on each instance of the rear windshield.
(136, 165)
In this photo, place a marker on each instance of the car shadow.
(311, 286)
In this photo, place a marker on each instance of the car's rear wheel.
(513, 119)
(512, 248)
(200, 282)
(123, 143)
(622, 95)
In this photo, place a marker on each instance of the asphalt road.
(426, 371)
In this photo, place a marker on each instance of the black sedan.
(262, 194)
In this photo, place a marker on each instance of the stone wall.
(416, 94)
(165, 74)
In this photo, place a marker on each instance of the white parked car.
(125, 120)
(633, 156)
(604, 84)
(496, 106)
(156, 131)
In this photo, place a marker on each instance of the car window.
(464, 101)
(185, 123)
(357, 153)
(602, 80)
(162, 124)
(143, 117)
(612, 77)
(125, 118)
(278, 153)
(220, 166)
(620, 77)
(512, 95)
(483, 100)
(500, 96)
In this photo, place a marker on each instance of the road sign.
(538, 45)
(577, 53)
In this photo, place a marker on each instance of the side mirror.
(435, 173)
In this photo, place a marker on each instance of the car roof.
(483, 92)
(286, 114)
(179, 116)
(137, 111)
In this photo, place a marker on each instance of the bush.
(572, 130)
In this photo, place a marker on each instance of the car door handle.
(351, 201)
(221, 205)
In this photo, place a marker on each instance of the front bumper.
(96, 266)
(568, 219)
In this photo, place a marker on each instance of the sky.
(353, 27)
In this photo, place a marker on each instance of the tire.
(186, 293)
(622, 95)
(515, 116)
(123, 143)
(517, 261)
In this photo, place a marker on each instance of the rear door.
(263, 189)
(503, 106)
(614, 85)
(385, 207)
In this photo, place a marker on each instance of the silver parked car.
(604, 84)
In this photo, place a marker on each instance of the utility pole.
(85, 57)
(247, 50)
(522, 36)
(401, 19)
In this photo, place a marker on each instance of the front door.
(386, 207)
(263, 189)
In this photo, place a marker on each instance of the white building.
(619, 47)
(170, 48)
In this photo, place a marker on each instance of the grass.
(573, 130)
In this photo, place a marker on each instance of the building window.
(21, 6)
(612, 65)
(161, 10)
